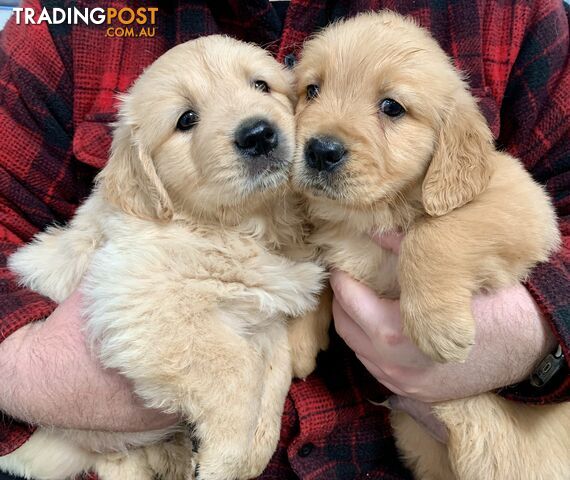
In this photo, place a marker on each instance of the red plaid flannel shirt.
(58, 87)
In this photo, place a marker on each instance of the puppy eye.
(312, 91)
(187, 120)
(391, 108)
(261, 85)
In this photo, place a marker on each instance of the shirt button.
(305, 450)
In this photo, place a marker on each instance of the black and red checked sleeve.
(37, 184)
(536, 129)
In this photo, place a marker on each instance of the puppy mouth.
(267, 172)
(267, 165)
(320, 184)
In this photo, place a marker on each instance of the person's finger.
(350, 332)
(384, 371)
(362, 304)
(389, 241)
(360, 343)
(380, 320)
(362, 346)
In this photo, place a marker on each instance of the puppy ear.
(459, 169)
(129, 180)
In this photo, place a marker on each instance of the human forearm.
(549, 285)
(511, 338)
(52, 379)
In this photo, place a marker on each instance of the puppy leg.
(308, 334)
(287, 287)
(275, 387)
(422, 453)
(437, 281)
(55, 261)
(237, 436)
(495, 439)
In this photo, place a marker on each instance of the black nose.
(324, 153)
(256, 137)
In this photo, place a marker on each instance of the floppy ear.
(129, 180)
(459, 169)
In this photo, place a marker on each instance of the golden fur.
(190, 265)
(473, 217)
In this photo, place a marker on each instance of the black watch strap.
(545, 380)
(547, 369)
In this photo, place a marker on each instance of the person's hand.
(511, 339)
(50, 377)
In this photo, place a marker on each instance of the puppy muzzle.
(255, 137)
(324, 154)
(260, 145)
(321, 172)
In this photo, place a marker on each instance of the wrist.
(512, 337)
(15, 358)
(513, 333)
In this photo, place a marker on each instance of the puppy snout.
(324, 154)
(256, 137)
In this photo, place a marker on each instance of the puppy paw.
(303, 362)
(223, 469)
(304, 349)
(231, 462)
(443, 334)
(294, 287)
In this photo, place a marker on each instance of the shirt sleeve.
(37, 184)
(536, 128)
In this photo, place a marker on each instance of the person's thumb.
(363, 305)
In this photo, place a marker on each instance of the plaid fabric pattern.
(58, 87)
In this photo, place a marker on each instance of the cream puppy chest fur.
(389, 138)
(191, 260)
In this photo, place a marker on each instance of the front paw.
(222, 469)
(444, 334)
(294, 287)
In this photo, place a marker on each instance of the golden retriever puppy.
(180, 253)
(390, 139)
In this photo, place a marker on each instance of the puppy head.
(208, 127)
(381, 110)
